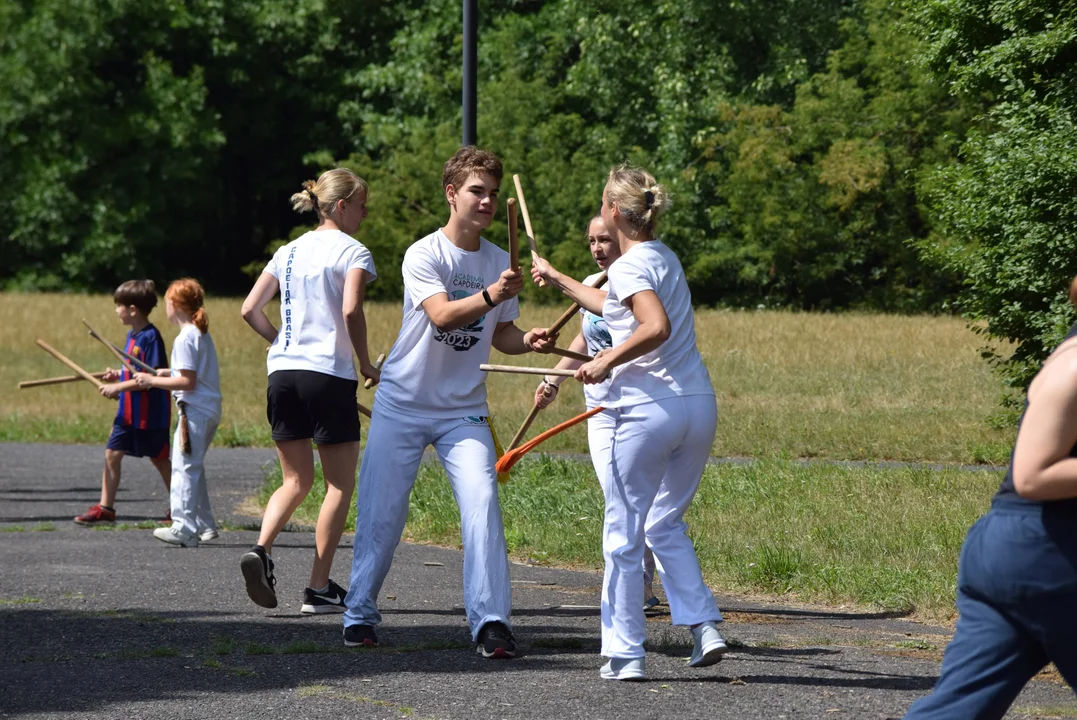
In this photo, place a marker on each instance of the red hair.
(187, 294)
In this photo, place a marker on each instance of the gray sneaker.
(709, 646)
(624, 669)
(172, 536)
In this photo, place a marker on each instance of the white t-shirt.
(311, 271)
(432, 373)
(597, 336)
(674, 368)
(194, 350)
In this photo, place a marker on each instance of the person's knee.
(113, 458)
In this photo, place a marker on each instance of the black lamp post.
(471, 32)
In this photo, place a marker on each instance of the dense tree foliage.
(163, 138)
(1005, 219)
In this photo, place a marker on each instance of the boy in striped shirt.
(143, 416)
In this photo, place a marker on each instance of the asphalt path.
(113, 623)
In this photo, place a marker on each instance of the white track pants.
(600, 429)
(394, 448)
(189, 498)
(657, 457)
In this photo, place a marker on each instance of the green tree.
(1005, 219)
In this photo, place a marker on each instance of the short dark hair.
(467, 160)
(140, 293)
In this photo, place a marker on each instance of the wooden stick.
(56, 380)
(521, 370)
(62, 358)
(506, 461)
(574, 308)
(523, 210)
(120, 354)
(514, 240)
(377, 366)
(363, 409)
(527, 421)
(111, 348)
(570, 354)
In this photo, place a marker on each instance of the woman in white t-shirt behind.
(594, 337)
(666, 415)
(322, 278)
(194, 378)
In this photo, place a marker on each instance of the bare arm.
(449, 314)
(355, 320)
(253, 310)
(653, 330)
(511, 340)
(1042, 466)
(587, 297)
(186, 380)
(542, 399)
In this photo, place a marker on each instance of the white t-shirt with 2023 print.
(675, 367)
(311, 271)
(433, 373)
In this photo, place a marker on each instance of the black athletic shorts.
(302, 404)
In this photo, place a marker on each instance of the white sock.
(324, 590)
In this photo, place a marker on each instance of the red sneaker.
(96, 515)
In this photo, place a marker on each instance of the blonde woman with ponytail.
(322, 278)
(194, 379)
(665, 414)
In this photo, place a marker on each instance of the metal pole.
(471, 32)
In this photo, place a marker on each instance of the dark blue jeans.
(1017, 605)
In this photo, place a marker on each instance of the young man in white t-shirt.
(459, 301)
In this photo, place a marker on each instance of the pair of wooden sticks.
(128, 361)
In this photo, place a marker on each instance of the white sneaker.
(709, 646)
(173, 536)
(207, 535)
(624, 669)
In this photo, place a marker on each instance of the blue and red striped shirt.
(145, 409)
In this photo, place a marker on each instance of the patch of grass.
(222, 645)
(141, 525)
(164, 652)
(883, 537)
(44, 527)
(20, 601)
(895, 387)
(916, 644)
(259, 649)
(211, 663)
(1048, 711)
(12, 528)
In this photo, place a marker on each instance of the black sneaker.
(360, 636)
(330, 601)
(257, 570)
(496, 641)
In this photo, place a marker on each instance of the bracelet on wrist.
(487, 298)
(546, 380)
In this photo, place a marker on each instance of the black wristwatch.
(487, 298)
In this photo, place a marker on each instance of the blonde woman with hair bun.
(322, 278)
(665, 412)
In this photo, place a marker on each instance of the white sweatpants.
(394, 448)
(657, 458)
(600, 429)
(189, 497)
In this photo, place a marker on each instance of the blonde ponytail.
(331, 187)
(638, 196)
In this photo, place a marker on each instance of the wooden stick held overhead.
(64, 359)
(377, 366)
(523, 211)
(514, 240)
(56, 380)
(521, 370)
(574, 308)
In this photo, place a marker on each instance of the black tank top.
(1008, 491)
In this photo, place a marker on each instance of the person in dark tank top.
(1017, 577)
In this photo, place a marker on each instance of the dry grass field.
(845, 386)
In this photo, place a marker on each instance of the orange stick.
(512, 456)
